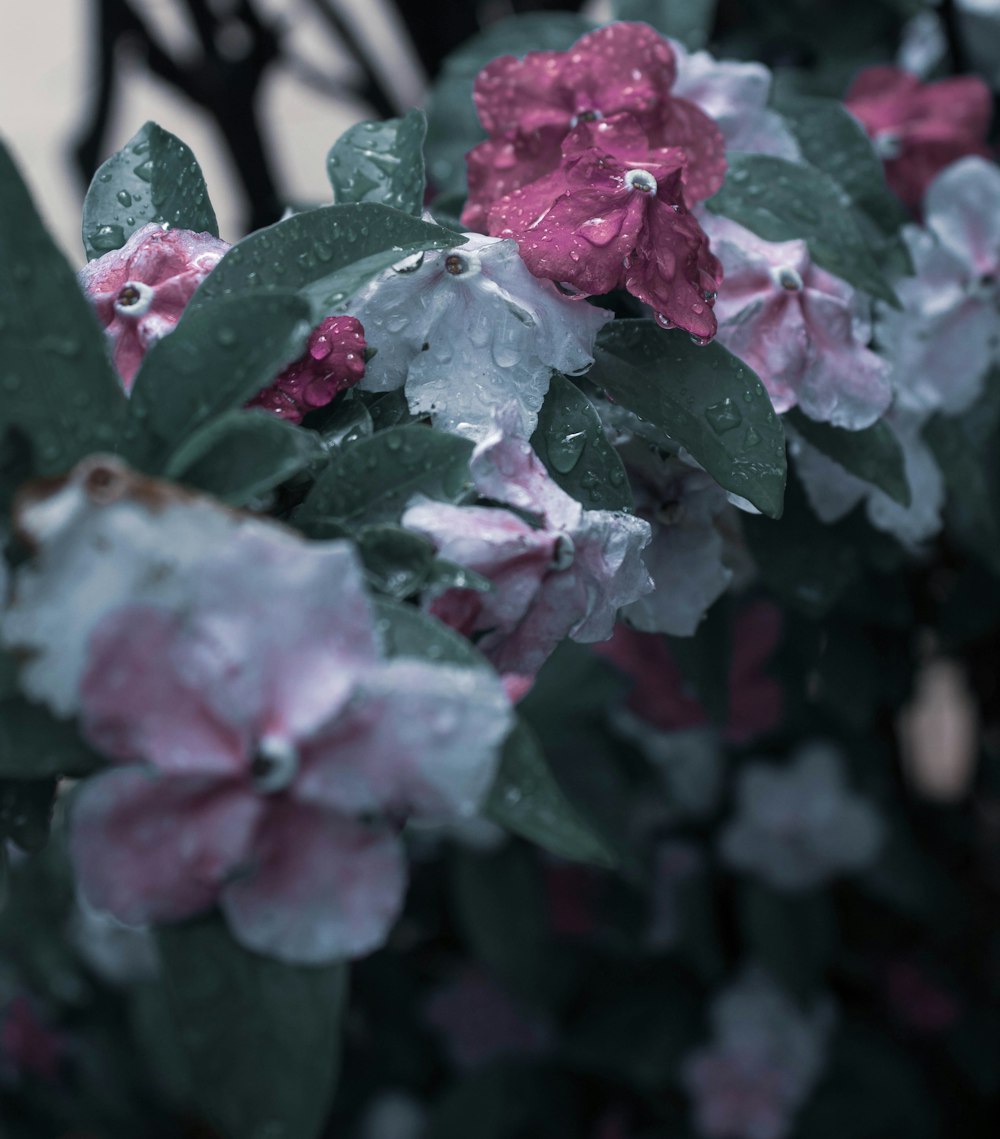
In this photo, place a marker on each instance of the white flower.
(469, 330)
(798, 826)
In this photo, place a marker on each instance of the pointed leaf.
(874, 454)
(374, 478)
(56, 380)
(381, 162)
(570, 441)
(407, 632)
(704, 398)
(243, 454)
(325, 254)
(153, 178)
(262, 1038)
(36, 745)
(397, 561)
(782, 200)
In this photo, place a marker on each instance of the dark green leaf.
(36, 745)
(571, 442)
(217, 357)
(782, 200)
(526, 799)
(243, 454)
(153, 178)
(262, 1038)
(689, 21)
(326, 254)
(26, 811)
(374, 478)
(397, 561)
(344, 421)
(505, 1100)
(406, 632)
(56, 381)
(389, 409)
(793, 937)
(832, 140)
(704, 399)
(381, 162)
(874, 454)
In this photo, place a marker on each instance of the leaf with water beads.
(571, 443)
(374, 479)
(153, 178)
(325, 254)
(381, 162)
(784, 201)
(262, 1038)
(704, 399)
(56, 382)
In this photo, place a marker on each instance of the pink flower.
(613, 214)
(567, 577)
(920, 128)
(528, 105)
(803, 331)
(334, 361)
(140, 290)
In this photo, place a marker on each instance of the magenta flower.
(803, 331)
(334, 360)
(613, 214)
(140, 290)
(527, 107)
(920, 128)
(566, 577)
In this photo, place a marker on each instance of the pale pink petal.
(507, 470)
(320, 887)
(148, 847)
(962, 208)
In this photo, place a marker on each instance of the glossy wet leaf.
(397, 561)
(34, 744)
(381, 162)
(341, 422)
(375, 478)
(216, 358)
(702, 397)
(689, 21)
(26, 811)
(874, 454)
(243, 454)
(153, 178)
(326, 254)
(57, 385)
(782, 201)
(405, 631)
(570, 441)
(262, 1038)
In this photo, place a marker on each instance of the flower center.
(984, 286)
(134, 298)
(275, 764)
(586, 117)
(788, 278)
(640, 180)
(564, 552)
(455, 265)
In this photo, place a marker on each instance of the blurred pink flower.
(920, 128)
(528, 105)
(334, 361)
(803, 331)
(613, 214)
(140, 290)
(567, 577)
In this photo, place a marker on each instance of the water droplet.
(124, 197)
(751, 437)
(565, 450)
(723, 416)
(144, 170)
(107, 237)
(226, 336)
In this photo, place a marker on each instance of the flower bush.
(460, 644)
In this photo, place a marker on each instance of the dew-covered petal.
(962, 209)
(148, 847)
(319, 887)
(522, 96)
(620, 67)
(497, 167)
(416, 738)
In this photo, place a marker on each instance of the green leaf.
(832, 140)
(262, 1038)
(243, 454)
(704, 399)
(26, 811)
(344, 421)
(570, 441)
(56, 381)
(326, 254)
(36, 745)
(407, 632)
(397, 561)
(153, 178)
(782, 200)
(793, 937)
(526, 800)
(374, 478)
(381, 162)
(217, 357)
(689, 21)
(873, 454)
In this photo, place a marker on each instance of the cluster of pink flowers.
(592, 166)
